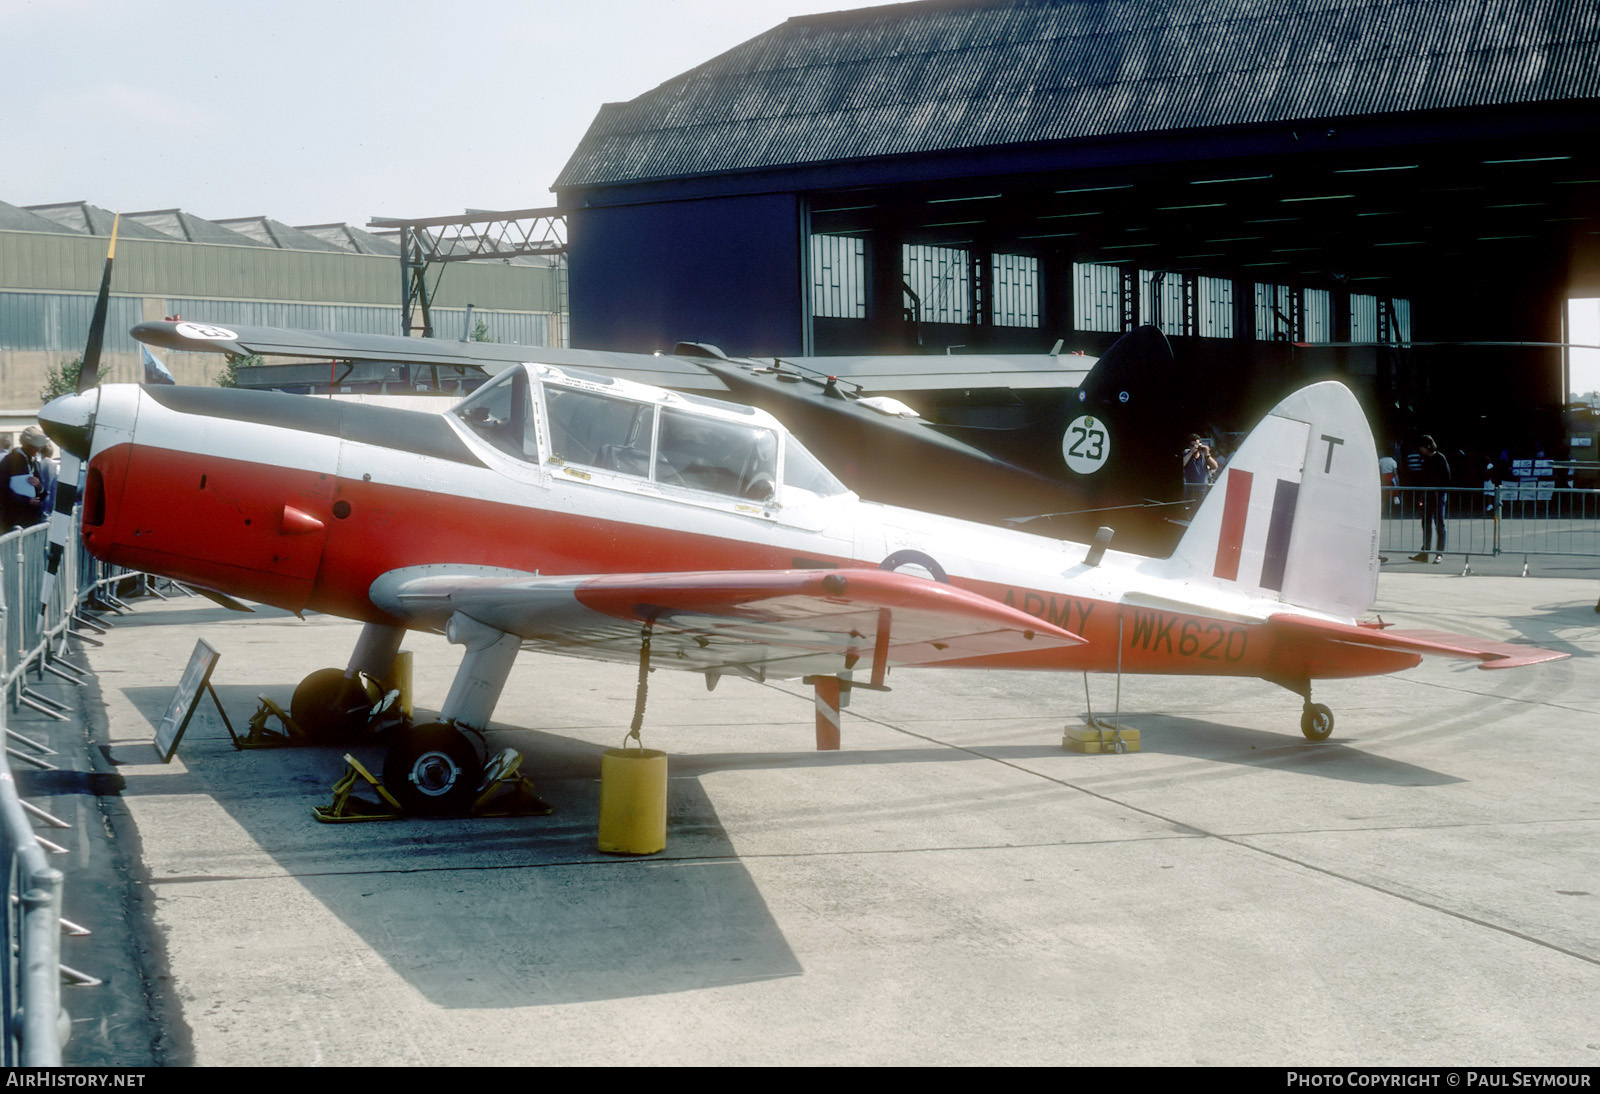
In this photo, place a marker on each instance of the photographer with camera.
(1198, 467)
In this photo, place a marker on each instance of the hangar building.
(247, 270)
(1246, 174)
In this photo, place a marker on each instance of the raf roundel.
(1086, 445)
(206, 332)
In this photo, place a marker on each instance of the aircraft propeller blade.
(89, 375)
(66, 496)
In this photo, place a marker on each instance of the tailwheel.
(433, 769)
(330, 707)
(1316, 722)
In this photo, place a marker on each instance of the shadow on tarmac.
(493, 912)
(149, 615)
(1540, 628)
(1227, 744)
(1340, 759)
(525, 911)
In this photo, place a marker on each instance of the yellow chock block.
(346, 807)
(1090, 740)
(633, 801)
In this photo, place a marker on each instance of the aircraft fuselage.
(304, 504)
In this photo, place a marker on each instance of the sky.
(317, 111)
(1583, 327)
(332, 110)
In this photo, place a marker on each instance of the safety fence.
(1527, 519)
(36, 1026)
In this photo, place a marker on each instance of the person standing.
(1434, 478)
(1388, 475)
(1198, 467)
(20, 485)
(49, 465)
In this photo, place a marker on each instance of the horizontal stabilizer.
(1490, 654)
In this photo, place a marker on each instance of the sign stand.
(195, 680)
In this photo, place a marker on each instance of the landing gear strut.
(437, 768)
(1316, 720)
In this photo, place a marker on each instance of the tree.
(229, 376)
(480, 332)
(61, 380)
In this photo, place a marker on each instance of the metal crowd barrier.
(1509, 518)
(35, 1025)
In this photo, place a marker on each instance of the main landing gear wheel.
(1316, 722)
(329, 707)
(433, 769)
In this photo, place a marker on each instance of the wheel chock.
(262, 735)
(346, 808)
(1094, 739)
(505, 792)
(385, 715)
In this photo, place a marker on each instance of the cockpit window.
(672, 446)
(804, 471)
(720, 456)
(599, 430)
(498, 412)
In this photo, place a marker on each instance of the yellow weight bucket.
(633, 801)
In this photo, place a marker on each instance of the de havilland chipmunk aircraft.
(579, 514)
(589, 515)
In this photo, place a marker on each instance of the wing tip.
(1516, 657)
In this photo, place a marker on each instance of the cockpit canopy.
(547, 415)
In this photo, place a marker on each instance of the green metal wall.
(48, 282)
(42, 261)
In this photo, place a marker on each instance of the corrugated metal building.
(249, 270)
(1001, 174)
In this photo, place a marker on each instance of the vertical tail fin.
(1295, 514)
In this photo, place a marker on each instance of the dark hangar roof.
(942, 75)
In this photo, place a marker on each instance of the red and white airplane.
(588, 515)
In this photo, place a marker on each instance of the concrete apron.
(950, 888)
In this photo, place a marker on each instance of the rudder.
(1294, 516)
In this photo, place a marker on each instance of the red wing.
(781, 622)
(1490, 654)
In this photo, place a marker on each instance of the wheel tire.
(329, 708)
(433, 770)
(1316, 722)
